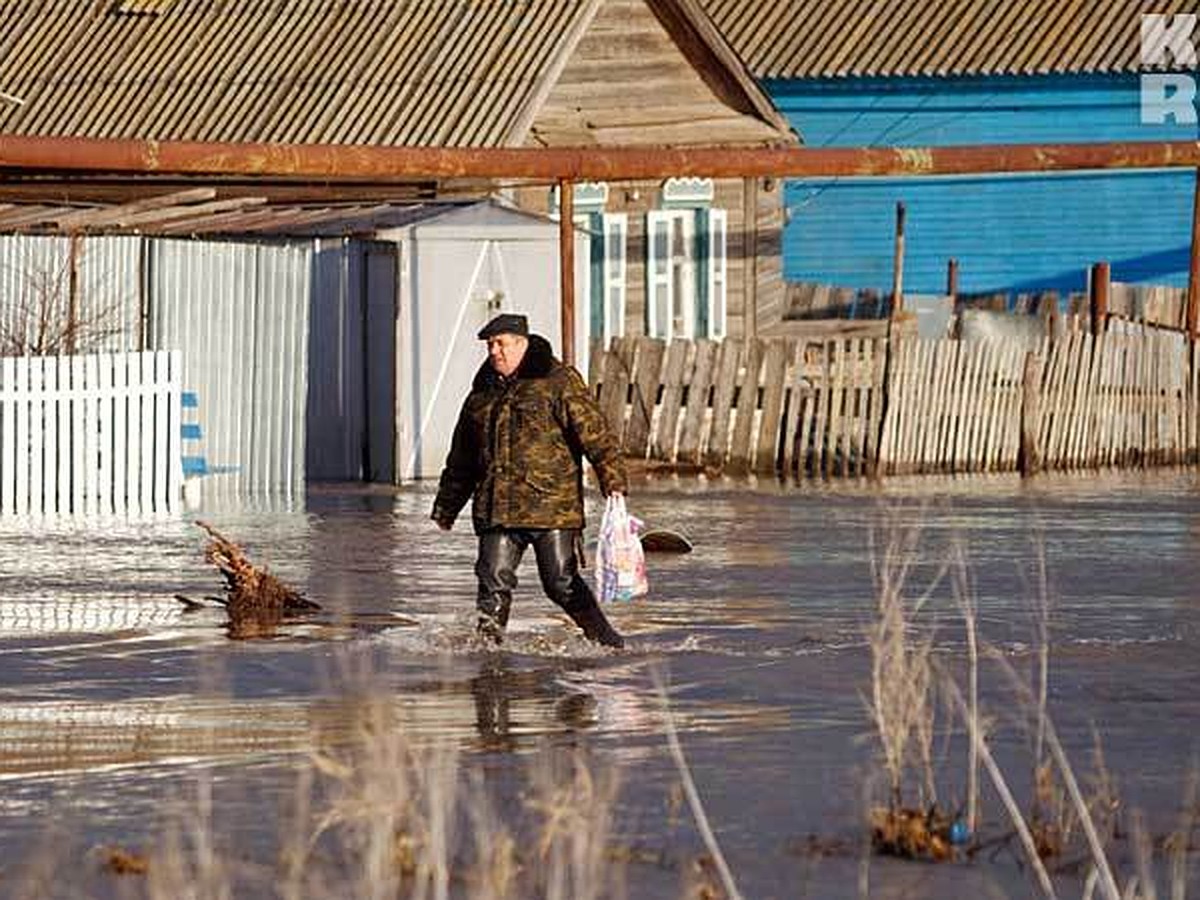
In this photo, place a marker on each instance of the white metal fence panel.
(81, 295)
(239, 313)
(96, 434)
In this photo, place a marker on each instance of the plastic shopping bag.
(620, 563)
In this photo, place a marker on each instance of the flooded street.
(115, 703)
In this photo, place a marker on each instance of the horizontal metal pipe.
(396, 164)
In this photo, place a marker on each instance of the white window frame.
(615, 282)
(717, 234)
(710, 270)
(606, 286)
(660, 286)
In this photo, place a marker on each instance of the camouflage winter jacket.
(518, 447)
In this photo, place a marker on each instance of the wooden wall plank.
(824, 383)
(615, 386)
(793, 401)
(775, 360)
(874, 419)
(725, 387)
(741, 446)
(646, 382)
(696, 412)
(663, 445)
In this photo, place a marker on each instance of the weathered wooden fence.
(902, 405)
(90, 434)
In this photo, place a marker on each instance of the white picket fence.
(90, 435)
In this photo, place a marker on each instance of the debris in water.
(660, 540)
(256, 600)
(912, 834)
(120, 861)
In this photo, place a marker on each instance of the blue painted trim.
(195, 465)
(189, 400)
(190, 431)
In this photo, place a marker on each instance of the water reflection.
(509, 701)
(761, 627)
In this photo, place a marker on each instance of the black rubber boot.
(493, 615)
(558, 568)
(586, 613)
(588, 616)
(499, 555)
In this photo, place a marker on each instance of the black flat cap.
(505, 323)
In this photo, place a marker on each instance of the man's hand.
(444, 526)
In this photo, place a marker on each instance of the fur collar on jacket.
(538, 362)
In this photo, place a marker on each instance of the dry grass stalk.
(689, 787)
(1141, 886)
(375, 807)
(497, 865)
(577, 814)
(1105, 803)
(257, 601)
(189, 863)
(964, 596)
(1180, 842)
(1051, 816)
(1039, 594)
(901, 705)
(1001, 786)
(1107, 882)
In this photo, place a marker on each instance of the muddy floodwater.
(115, 702)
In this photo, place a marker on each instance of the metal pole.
(390, 165)
(898, 262)
(1101, 281)
(1193, 294)
(566, 267)
(952, 279)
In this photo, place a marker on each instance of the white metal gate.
(90, 434)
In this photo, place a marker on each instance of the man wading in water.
(518, 449)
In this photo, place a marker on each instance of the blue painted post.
(193, 464)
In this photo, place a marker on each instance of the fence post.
(1101, 281)
(1193, 290)
(898, 262)
(1029, 459)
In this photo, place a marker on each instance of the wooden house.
(451, 73)
(962, 72)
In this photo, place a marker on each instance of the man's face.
(506, 352)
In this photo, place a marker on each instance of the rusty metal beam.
(398, 164)
(566, 267)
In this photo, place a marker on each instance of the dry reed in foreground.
(1064, 823)
(374, 815)
(902, 710)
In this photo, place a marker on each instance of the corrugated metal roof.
(183, 215)
(408, 72)
(847, 38)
